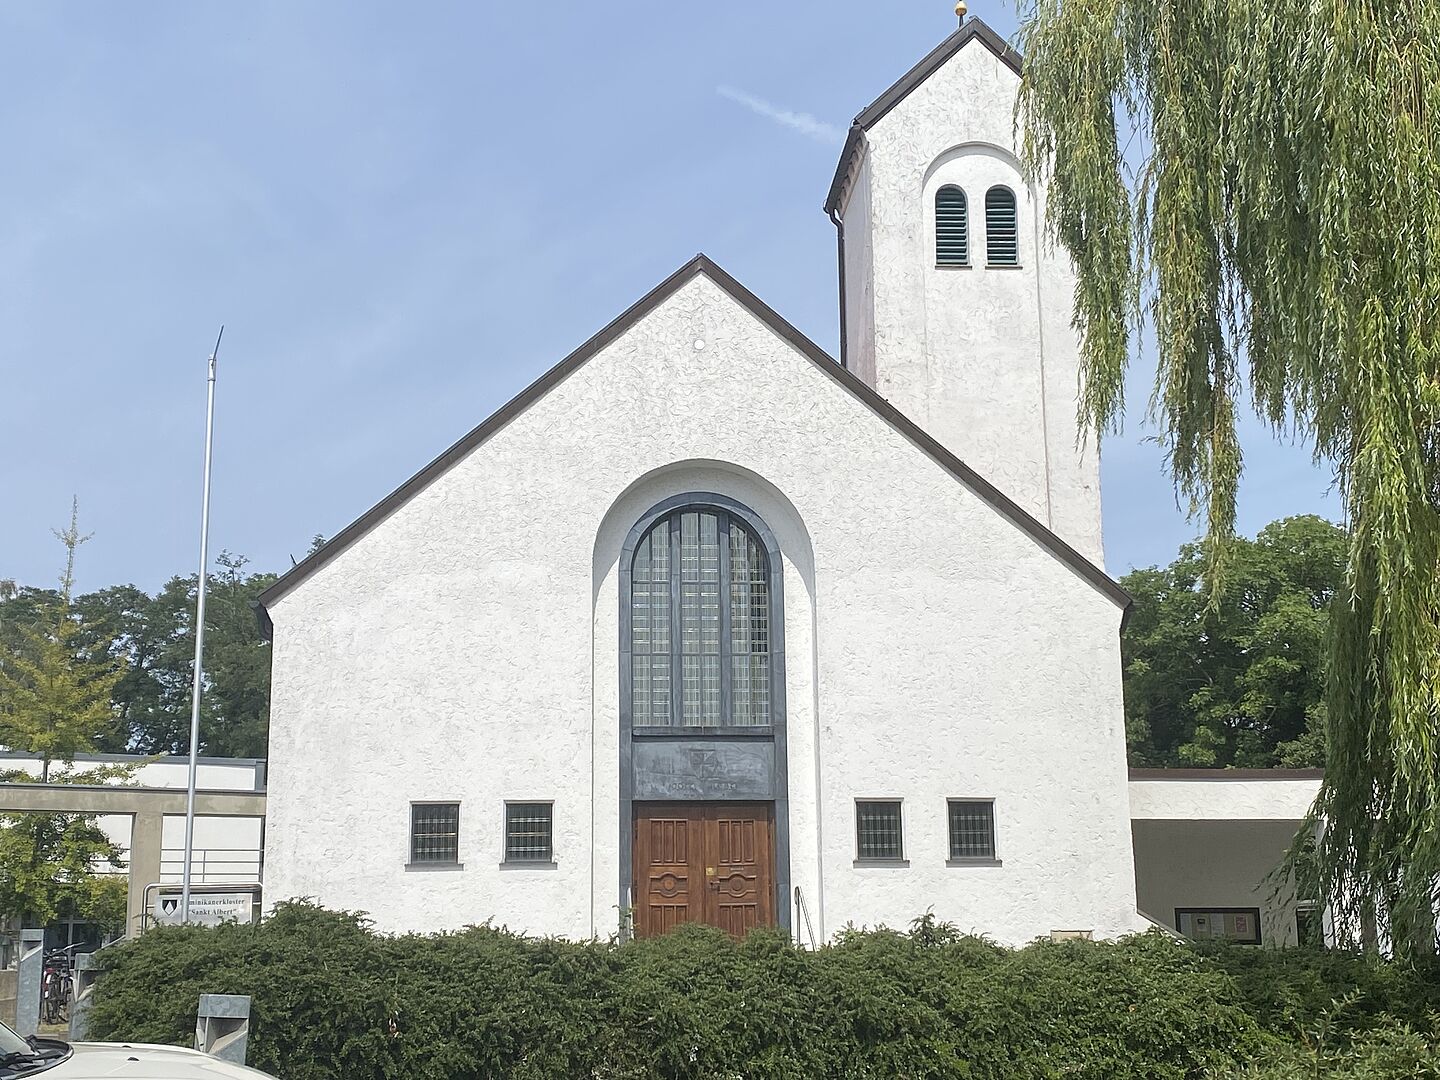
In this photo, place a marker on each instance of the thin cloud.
(804, 123)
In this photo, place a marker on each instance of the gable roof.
(700, 264)
(970, 30)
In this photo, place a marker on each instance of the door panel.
(703, 862)
(671, 886)
(736, 838)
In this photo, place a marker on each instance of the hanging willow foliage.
(1280, 231)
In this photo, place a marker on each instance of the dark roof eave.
(700, 264)
(842, 169)
(1226, 774)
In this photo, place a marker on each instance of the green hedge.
(332, 999)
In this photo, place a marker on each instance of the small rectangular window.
(1309, 926)
(529, 832)
(434, 832)
(878, 831)
(972, 829)
(1240, 925)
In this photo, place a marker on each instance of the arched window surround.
(1002, 227)
(952, 226)
(761, 533)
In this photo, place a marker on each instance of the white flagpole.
(199, 639)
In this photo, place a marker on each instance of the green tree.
(1279, 235)
(154, 638)
(54, 701)
(1239, 681)
(56, 865)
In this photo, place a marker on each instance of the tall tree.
(54, 701)
(1241, 680)
(1280, 231)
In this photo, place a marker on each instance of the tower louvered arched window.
(700, 623)
(952, 227)
(1002, 231)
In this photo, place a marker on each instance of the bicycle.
(57, 987)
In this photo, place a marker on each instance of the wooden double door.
(702, 862)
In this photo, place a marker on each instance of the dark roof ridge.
(971, 30)
(700, 264)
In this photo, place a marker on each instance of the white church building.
(708, 626)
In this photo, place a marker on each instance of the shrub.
(333, 999)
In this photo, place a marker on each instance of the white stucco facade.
(928, 510)
(983, 357)
(470, 640)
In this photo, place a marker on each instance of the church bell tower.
(953, 305)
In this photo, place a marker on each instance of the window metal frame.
(993, 859)
(509, 860)
(415, 863)
(881, 860)
(990, 263)
(966, 262)
(729, 514)
(1203, 910)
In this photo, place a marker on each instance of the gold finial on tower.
(960, 10)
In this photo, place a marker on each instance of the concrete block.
(222, 1026)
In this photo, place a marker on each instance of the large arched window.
(700, 623)
(952, 227)
(1002, 232)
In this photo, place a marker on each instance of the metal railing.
(210, 865)
(802, 911)
(214, 865)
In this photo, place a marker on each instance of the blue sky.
(404, 214)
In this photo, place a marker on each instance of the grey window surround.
(433, 867)
(434, 833)
(960, 813)
(519, 812)
(706, 758)
(877, 828)
(700, 626)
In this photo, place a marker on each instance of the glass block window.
(529, 833)
(700, 624)
(877, 831)
(972, 829)
(434, 832)
(1002, 230)
(952, 227)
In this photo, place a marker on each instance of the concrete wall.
(933, 650)
(984, 358)
(8, 981)
(226, 848)
(1212, 837)
(859, 295)
(1225, 863)
(1222, 794)
(214, 774)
